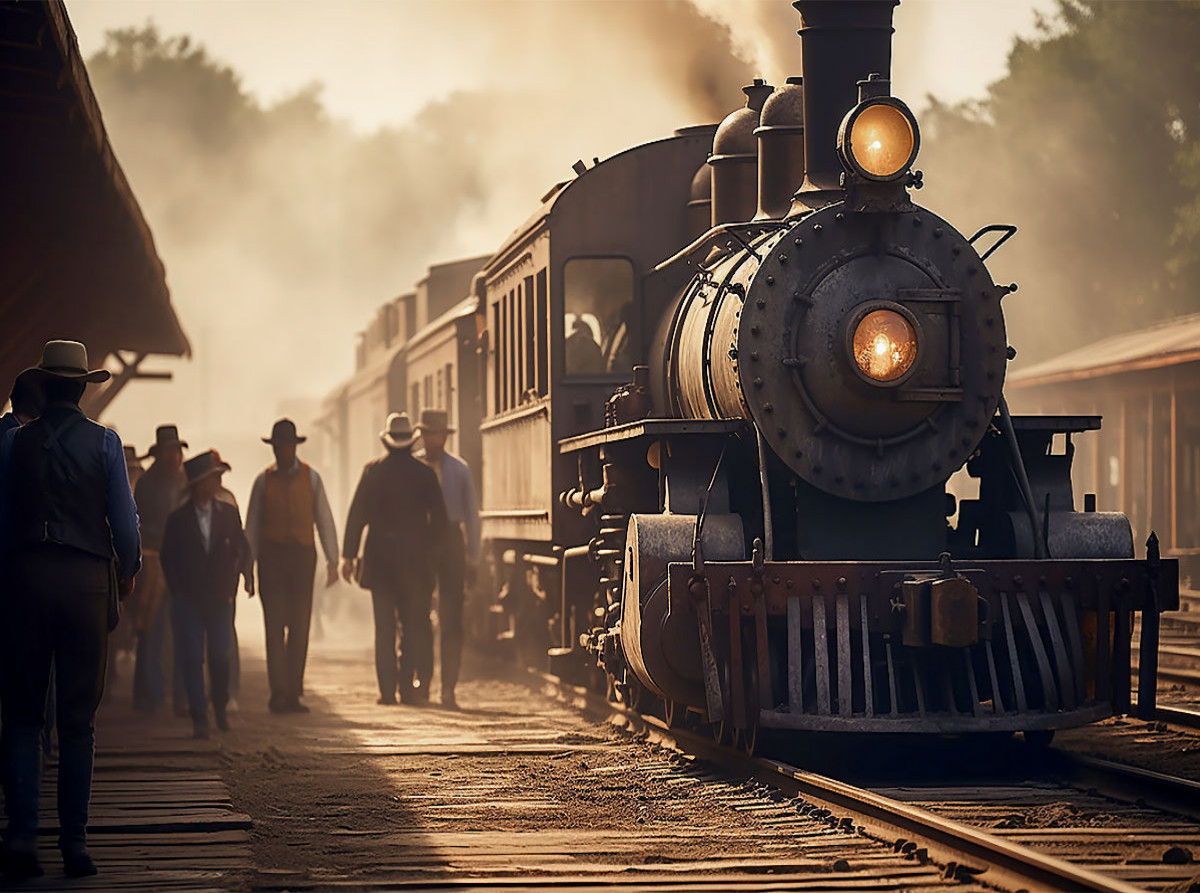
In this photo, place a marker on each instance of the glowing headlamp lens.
(882, 140)
(885, 345)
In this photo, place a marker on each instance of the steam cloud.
(282, 229)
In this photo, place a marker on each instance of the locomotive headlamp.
(879, 139)
(884, 345)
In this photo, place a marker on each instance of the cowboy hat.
(397, 433)
(435, 421)
(284, 431)
(165, 436)
(68, 360)
(207, 463)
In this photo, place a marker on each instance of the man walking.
(69, 532)
(286, 503)
(398, 498)
(161, 489)
(204, 552)
(458, 563)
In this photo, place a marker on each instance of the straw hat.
(68, 360)
(284, 431)
(397, 433)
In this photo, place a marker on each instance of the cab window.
(597, 305)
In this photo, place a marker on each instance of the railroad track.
(1083, 824)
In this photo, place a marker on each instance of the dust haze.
(282, 228)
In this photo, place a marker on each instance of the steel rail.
(1169, 793)
(1179, 716)
(950, 844)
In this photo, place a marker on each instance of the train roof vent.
(784, 107)
(735, 135)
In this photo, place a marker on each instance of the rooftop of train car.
(558, 190)
(54, 150)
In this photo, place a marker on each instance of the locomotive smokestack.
(842, 42)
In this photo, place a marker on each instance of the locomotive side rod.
(962, 850)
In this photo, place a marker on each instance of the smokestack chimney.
(780, 135)
(734, 159)
(842, 42)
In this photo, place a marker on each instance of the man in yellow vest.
(287, 502)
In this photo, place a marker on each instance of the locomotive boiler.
(778, 548)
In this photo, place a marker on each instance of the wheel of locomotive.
(674, 714)
(748, 739)
(630, 692)
(722, 730)
(745, 740)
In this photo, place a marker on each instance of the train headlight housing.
(879, 139)
(884, 345)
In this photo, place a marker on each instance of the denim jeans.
(203, 628)
(54, 615)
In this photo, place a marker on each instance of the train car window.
(543, 327)
(597, 303)
(429, 391)
(415, 410)
(497, 364)
(450, 389)
(513, 338)
(440, 397)
(533, 345)
(505, 342)
(521, 327)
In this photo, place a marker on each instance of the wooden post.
(1174, 465)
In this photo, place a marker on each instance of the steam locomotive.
(756, 532)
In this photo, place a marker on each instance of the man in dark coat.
(160, 490)
(398, 498)
(458, 564)
(204, 552)
(69, 531)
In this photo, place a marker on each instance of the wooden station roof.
(1169, 343)
(76, 257)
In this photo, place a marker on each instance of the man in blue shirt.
(69, 538)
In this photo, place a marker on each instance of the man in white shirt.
(461, 560)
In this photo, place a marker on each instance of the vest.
(59, 483)
(288, 515)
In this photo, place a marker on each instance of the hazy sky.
(382, 60)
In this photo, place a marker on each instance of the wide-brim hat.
(67, 360)
(435, 421)
(204, 465)
(398, 433)
(284, 431)
(165, 436)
